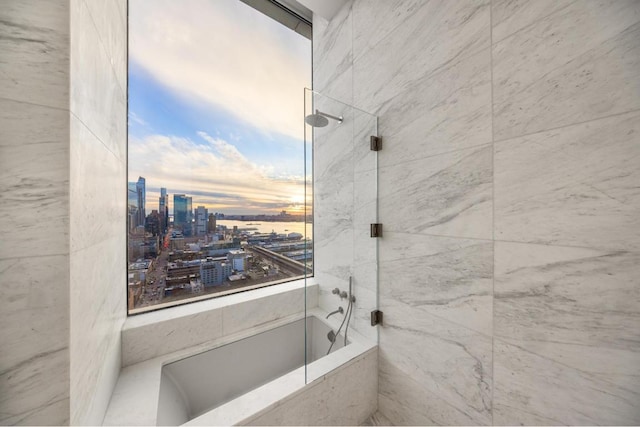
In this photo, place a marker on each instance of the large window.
(216, 158)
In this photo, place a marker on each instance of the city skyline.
(202, 120)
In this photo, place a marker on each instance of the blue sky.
(216, 105)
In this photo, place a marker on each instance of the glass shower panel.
(342, 196)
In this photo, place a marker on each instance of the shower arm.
(338, 119)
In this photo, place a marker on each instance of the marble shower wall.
(98, 182)
(63, 116)
(508, 189)
(34, 204)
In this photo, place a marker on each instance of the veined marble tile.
(574, 186)
(333, 56)
(149, 341)
(447, 360)
(447, 111)
(98, 280)
(415, 51)
(404, 401)
(450, 278)
(110, 21)
(579, 63)
(365, 125)
(449, 194)
(532, 389)
(97, 98)
(98, 182)
(34, 180)
(569, 324)
(34, 66)
(377, 419)
(374, 20)
(510, 16)
(587, 297)
(366, 302)
(345, 396)
(34, 362)
(256, 312)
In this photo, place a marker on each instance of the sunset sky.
(216, 105)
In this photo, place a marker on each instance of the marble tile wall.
(345, 396)
(97, 225)
(508, 189)
(34, 203)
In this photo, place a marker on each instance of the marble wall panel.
(97, 232)
(448, 110)
(34, 367)
(34, 172)
(373, 21)
(581, 296)
(96, 208)
(98, 310)
(577, 64)
(332, 55)
(450, 278)
(573, 186)
(533, 389)
(414, 51)
(448, 194)
(568, 320)
(110, 19)
(97, 98)
(34, 66)
(510, 16)
(163, 337)
(259, 311)
(448, 360)
(405, 401)
(345, 396)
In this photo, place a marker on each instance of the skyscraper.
(182, 213)
(201, 220)
(141, 193)
(132, 203)
(164, 210)
(211, 224)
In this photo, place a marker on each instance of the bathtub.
(197, 384)
(256, 379)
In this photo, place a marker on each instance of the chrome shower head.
(319, 119)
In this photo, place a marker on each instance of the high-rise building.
(164, 210)
(182, 213)
(132, 205)
(211, 224)
(141, 194)
(201, 220)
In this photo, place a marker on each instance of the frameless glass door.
(342, 197)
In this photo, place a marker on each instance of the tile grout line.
(635, 110)
(493, 217)
(35, 104)
(518, 242)
(95, 136)
(104, 49)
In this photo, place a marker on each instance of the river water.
(268, 227)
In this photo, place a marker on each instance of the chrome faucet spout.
(339, 310)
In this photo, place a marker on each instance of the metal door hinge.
(376, 230)
(376, 317)
(376, 143)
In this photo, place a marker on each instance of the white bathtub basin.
(197, 384)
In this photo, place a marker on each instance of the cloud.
(215, 173)
(135, 118)
(226, 54)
